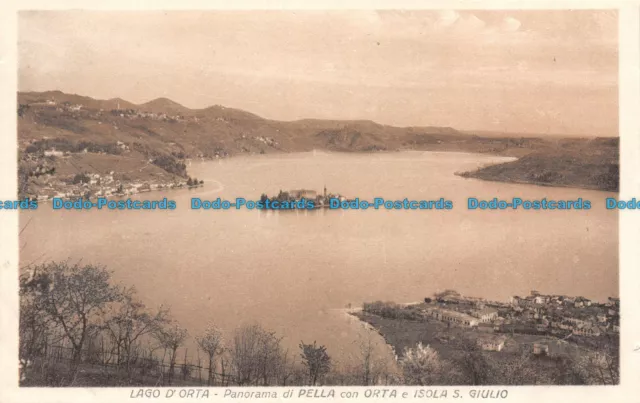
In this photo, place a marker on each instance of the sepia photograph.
(318, 198)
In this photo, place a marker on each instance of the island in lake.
(297, 195)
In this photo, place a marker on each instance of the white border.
(629, 93)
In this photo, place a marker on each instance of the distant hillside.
(163, 105)
(590, 164)
(164, 133)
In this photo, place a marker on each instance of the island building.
(307, 194)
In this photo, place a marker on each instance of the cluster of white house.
(536, 298)
(134, 113)
(271, 142)
(560, 312)
(543, 313)
(124, 113)
(474, 318)
(60, 107)
(101, 186)
(486, 341)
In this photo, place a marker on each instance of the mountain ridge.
(157, 104)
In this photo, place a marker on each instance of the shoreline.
(338, 152)
(114, 196)
(471, 175)
(504, 159)
(507, 159)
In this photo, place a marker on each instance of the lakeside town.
(552, 327)
(87, 185)
(558, 315)
(53, 166)
(56, 167)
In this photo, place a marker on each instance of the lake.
(295, 272)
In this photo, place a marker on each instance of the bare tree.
(366, 352)
(244, 355)
(371, 368)
(270, 357)
(35, 326)
(316, 360)
(286, 369)
(171, 338)
(256, 356)
(129, 322)
(224, 360)
(211, 342)
(609, 346)
(75, 298)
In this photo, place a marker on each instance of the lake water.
(294, 272)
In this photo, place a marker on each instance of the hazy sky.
(516, 71)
